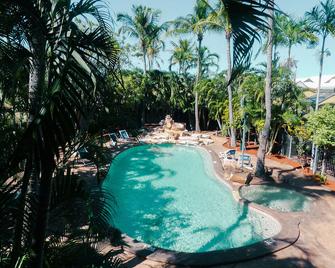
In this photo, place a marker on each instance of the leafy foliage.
(321, 124)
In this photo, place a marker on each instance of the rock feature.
(173, 132)
(169, 124)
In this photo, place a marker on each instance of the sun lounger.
(229, 154)
(82, 154)
(113, 138)
(124, 134)
(110, 138)
(126, 138)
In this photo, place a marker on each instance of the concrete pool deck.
(316, 244)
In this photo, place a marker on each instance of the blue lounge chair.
(82, 154)
(229, 154)
(245, 158)
(113, 138)
(124, 134)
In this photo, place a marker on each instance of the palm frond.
(247, 18)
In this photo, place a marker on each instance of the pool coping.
(288, 235)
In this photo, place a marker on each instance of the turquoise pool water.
(168, 196)
(277, 198)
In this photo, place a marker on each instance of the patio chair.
(229, 154)
(124, 134)
(124, 137)
(246, 160)
(113, 138)
(82, 154)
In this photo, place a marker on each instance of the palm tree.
(66, 65)
(182, 55)
(190, 24)
(208, 60)
(260, 166)
(155, 44)
(143, 25)
(291, 32)
(321, 21)
(218, 20)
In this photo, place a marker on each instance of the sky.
(307, 59)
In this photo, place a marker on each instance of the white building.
(327, 91)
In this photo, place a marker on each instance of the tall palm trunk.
(230, 93)
(42, 216)
(196, 104)
(144, 52)
(289, 55)
(145, 90)
(260, 167)
(36, 81)
(18, 233)
(314, 147)
(36, 84)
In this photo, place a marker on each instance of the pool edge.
(288, 235)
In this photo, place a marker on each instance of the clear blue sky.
(307, 58)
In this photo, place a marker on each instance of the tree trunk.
(323, 169)
(196, 111)
(289, 56)
(36, 85)
(150, 60)
(219, 123)
(320, 73)
(273, 139)
(198, 77)
(144, 59)
(145, 90)
(315, 147)
(42, 217)
(22, 208)
(230, 94)
(260, 167)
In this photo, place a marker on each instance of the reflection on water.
(168, 196)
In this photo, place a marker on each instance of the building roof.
(329, 100)
(327, 82)
(327, 90)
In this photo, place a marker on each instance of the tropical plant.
(213, 97)
(321, 21)
(156, 44)
(143, 25)
(291, 32)
(67, 64)
(321, 125)
(263, 139)
(191, 24)
(218, 20)
(208, 61)
(288, 104)
(182, 55)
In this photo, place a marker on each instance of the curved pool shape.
(277, 198)
(168, 196)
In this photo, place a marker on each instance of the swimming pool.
(168, 196)
(278, 198)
